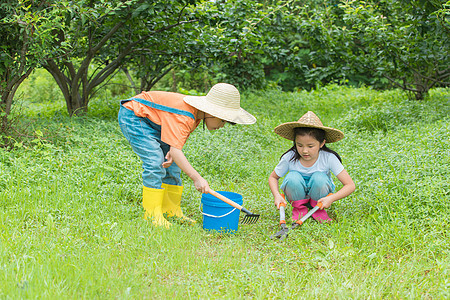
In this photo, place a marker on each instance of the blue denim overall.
(144, 137)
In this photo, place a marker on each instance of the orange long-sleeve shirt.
(175, 127)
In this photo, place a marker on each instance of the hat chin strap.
(205, 117)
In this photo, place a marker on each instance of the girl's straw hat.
(309, 119)
(224, 102)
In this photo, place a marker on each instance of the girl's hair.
(316, 133)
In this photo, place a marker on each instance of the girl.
(157, 125)
(307, 167)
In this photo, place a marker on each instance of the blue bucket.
(220, 216)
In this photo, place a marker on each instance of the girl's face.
(308, 147)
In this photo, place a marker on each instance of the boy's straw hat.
(309, 119)
(224, 102)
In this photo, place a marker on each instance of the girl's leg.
(294, 188)
(320, 185)
(299, 209)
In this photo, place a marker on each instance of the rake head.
(249, 218)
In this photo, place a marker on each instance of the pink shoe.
(298, 209)
(320, 215)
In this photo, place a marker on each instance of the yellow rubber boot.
(171, 203)
(152, 200)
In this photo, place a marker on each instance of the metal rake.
(249, 218)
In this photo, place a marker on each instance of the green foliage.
(168, 45)
(27, 38)
(377, 116)
(27, 30)
(404, 43)
(40, 87)
(108, 34)
(266, 46)
(443, 15)
(71, 222)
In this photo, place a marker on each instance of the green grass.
(71, 222)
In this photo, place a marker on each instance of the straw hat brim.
(286, 130)
(238, 116)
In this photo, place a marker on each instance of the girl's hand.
(202, 185)
(326, 201)
(278, 200)
(273, 184)
(168, 161)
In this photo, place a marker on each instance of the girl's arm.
(273, 184)
(347, 189)
(178, 157)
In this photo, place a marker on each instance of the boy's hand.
(202, 185)
(168, 161)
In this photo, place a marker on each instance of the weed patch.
(71, 223)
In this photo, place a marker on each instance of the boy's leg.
(173, 187)
(173, 172)
(172, 203)
(152, 200)
(144, 137)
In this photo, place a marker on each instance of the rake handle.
(226, 200)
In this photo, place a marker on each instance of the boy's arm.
(178, 157)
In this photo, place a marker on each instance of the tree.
(103, 35)
(268, 45)
(27, 38)
(179, 46)
(224, 41)
(403, 42)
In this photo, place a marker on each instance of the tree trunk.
(13, 78)
(174, 81)
(69, 85)
(421, 86)
(148, 81)
(130, 79)
(76, 86)
(7, 96)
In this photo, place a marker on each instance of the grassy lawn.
(71, 222)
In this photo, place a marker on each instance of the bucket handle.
(208, 215)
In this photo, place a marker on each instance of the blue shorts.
(296, 187)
